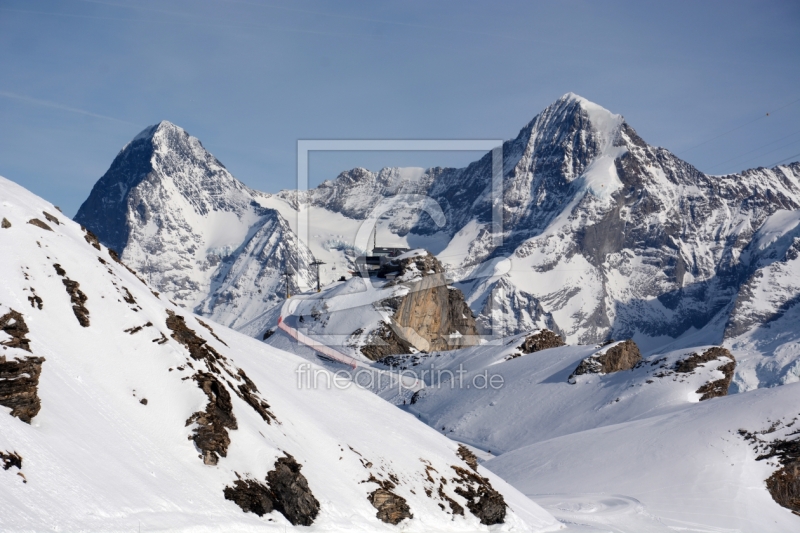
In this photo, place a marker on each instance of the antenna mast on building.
(317, 263)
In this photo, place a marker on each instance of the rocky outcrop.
(211, 434)
(5, 224)
(198, 347)
(91, 238)
(19, 378)
(541, 340)
(291, 495)
(286, 491)
(13, 324)
(431, 316)
(251, 495)
(51, 218)
(716, 388)
(76, 296)
(784, 484)
(468, 457)
(19, 386)
(11, 459)
(482, 500)
(39, 224)
(620, 356)
(392, 508)
(784, 487)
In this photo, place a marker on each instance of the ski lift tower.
(317, 263)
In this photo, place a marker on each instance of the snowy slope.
(689, 470)
(630, 451)
(138, 398)
(496, 399)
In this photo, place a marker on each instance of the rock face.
(19, 377)
(19, 382)
(784, 484)
(619, 356)
(76, 295)
(292, 497)
(286, 491)
(482, 500)
(10, 459)
(431, 316)
(251, 495)
(468, 457)
(392, 508)
(541, 340)
(716, 388)
(176, 215)
(13, 324)
(211, 435)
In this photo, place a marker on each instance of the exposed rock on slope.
(430, 316)
(716, 388)
(541, 340)
(482, 500)
(76, 295)
(286, 491)
(292, 497)
(619, 356)
(13, 324)
(784, 484)
(392, 508)
(11, 459)
(211, 434)
(19, 375)
(19, 382)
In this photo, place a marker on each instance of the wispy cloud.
(62, 107)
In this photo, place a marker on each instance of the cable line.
(753, 150)
(773, 150)
(782, 160)
(736, 128)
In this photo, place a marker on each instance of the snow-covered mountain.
(176, 215)
(122, 410)
(604, 236)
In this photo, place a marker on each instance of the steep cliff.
(429, 316)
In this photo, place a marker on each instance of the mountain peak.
(601, 119)
(165, 128)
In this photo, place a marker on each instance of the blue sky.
(80, 78)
